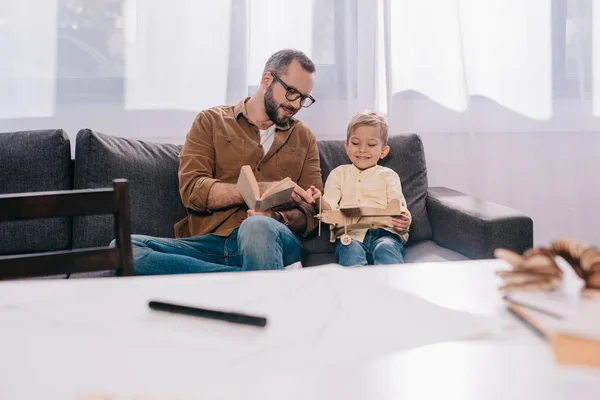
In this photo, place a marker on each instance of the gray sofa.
(447, 225)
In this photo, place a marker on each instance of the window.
(311, 26)
(572, 24)
(90, 51)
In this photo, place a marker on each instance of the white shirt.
(348, 186)
(266, 138)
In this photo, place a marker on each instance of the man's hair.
(369, 118)
(280, 61)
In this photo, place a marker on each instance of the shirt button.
(293, 149)
(258, 169)
(228, 140)
(359, 200)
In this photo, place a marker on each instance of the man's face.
(278, 107)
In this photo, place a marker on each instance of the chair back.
(70, 203)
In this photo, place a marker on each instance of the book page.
(579, 315)
(248, 186)
(274, 199)
(278, 194)
(281, 185)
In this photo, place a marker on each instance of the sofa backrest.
(407, 158)
(35, 161)
(151, 169)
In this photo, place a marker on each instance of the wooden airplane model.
(360, 217)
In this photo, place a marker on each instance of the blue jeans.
(379, 247)
(259, 243)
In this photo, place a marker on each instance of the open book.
(570, 324)
(276, 195)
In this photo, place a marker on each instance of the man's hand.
(401, 223)
(267, 213)
(299, 195)
(314, 192)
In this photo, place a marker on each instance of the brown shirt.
(220, 142)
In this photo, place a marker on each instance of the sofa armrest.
(474, 227)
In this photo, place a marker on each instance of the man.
(219, 233)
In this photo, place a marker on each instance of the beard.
(272, 109)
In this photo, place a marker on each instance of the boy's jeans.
(379, 247)
(259, 243)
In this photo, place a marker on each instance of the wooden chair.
(66, 203)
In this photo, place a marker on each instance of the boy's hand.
(401, 223)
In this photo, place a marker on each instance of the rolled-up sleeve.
(394, 190)
(311, 175)
(196, 165)
(333, 189)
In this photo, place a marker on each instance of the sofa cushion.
(35, 161)
(429, 251)
(424, 251)
(151, 169)
(407, 158)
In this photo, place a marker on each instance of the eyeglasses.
(292, 94)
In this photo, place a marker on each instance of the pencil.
(233, 317)
(514, 310)
(533, 308)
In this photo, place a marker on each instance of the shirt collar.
(367, 171)
(240, 109)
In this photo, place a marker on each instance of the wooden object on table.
(68, 203)
(584, 259)
(568, 349)
(535, 270)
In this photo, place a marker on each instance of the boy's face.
(365, 147)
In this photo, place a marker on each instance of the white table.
(44, 353)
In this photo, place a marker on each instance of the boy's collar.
(355, 168)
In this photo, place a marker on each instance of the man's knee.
(136, 241)
(258, 226)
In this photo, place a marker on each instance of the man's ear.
(266, 80)
(385, 151)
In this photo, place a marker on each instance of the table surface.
(46, 353)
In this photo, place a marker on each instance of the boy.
(364, 183)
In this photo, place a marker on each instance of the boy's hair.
(369, 118)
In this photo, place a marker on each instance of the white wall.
(553, 177)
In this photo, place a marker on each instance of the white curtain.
(277, 24)
(367, 52)
(186, 55)
(28, 31)
(596, 57)
(449, 50)
(177, 53)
